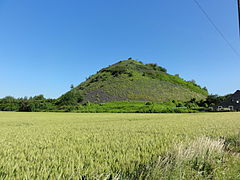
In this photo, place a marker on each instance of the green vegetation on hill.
(132, 107)
(133, 80)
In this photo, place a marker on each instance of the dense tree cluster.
(211, 100)
(32, 104)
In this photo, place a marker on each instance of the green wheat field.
(119, 146)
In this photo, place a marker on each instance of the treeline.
(31, 104)
(74, 104)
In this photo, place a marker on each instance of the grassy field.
(119, 146)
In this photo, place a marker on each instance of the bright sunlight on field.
(119, 146)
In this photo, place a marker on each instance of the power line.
(216, 27)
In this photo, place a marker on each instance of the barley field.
(119, 146)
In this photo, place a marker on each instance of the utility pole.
(239, 15)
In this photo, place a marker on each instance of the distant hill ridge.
(134, 81)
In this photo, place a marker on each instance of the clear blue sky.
(47, 45)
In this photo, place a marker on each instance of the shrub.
(148, 103)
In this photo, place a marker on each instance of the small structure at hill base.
(230, 104)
